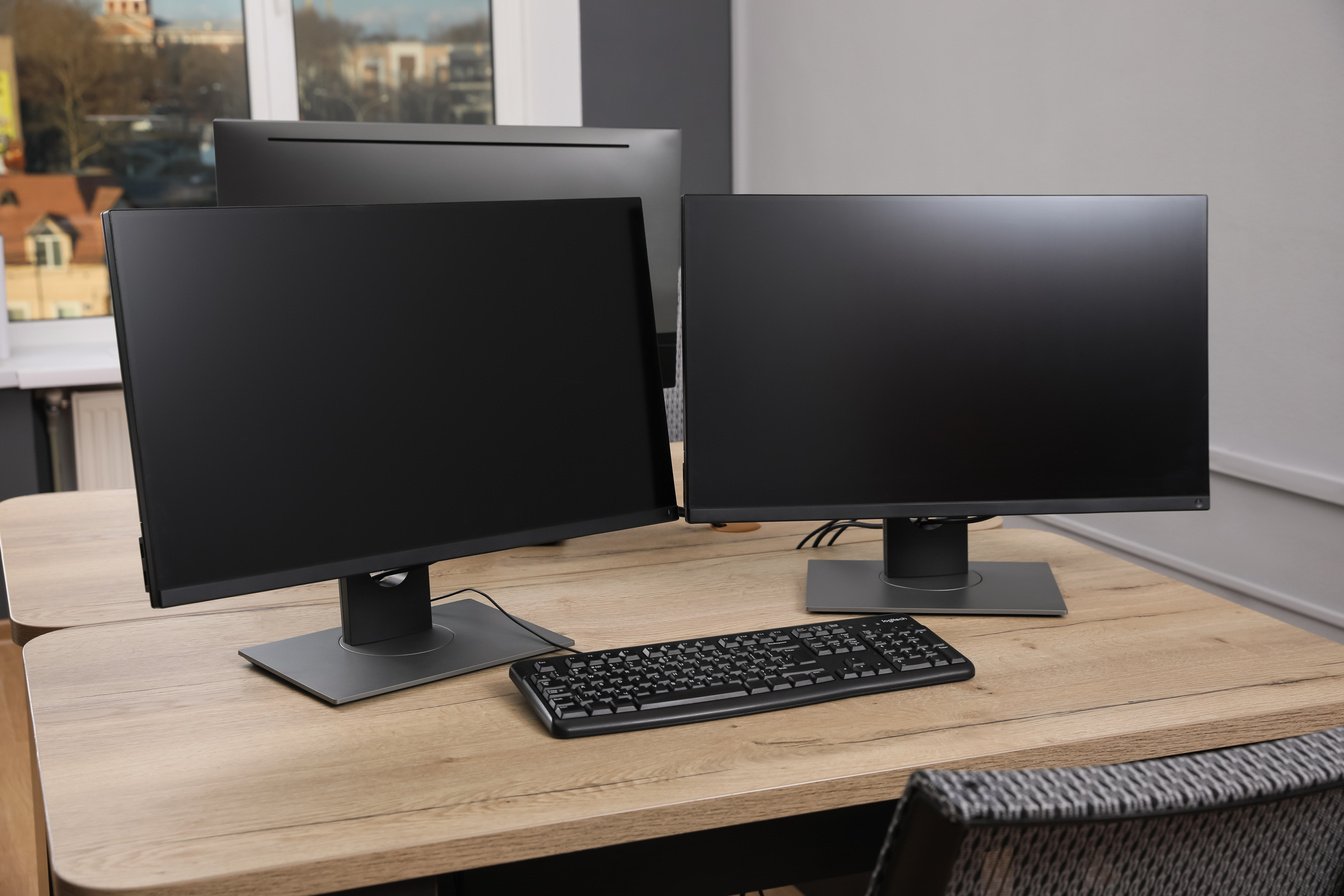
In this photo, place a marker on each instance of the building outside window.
(361, 60)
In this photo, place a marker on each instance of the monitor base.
(1002, 589)
(467, 636)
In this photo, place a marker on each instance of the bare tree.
(67, 71)
(322, 45)
(209, 82)
(472, 32)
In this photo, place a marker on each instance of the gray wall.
(24, 469)
(24, 465)
(663, 64)
(1239, 99)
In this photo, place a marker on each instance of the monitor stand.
(925, 569)
(391, 637)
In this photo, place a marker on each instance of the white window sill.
(58, 366)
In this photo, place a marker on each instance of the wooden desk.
(171, 765)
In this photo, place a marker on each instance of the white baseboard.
(1315, 484)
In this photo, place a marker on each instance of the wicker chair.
(1261, 819)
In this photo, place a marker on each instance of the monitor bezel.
(188, 594)
(929, 510)
(701, 513)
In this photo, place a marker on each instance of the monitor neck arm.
(379, 606)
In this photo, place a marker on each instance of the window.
(363, 60)
(48, 252)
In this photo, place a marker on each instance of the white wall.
(1239, 99)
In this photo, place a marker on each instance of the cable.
(834, 528)
(823, 528)
(816, 542)
(515, 620)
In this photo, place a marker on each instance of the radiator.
(102, 440)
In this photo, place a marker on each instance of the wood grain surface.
(170, 765)
(22, 853)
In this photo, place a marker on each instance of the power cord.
(514, 619)
(834, 528)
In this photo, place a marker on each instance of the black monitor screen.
(324, 391)
(324, 162)
(903, 356)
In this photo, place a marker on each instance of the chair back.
(1260, 820)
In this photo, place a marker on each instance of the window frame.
(49, 245)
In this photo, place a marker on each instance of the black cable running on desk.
(514, 619)
(834, 528)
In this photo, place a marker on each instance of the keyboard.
(653, 685)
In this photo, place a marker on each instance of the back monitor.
(321, 162)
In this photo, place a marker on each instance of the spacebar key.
(686, 698)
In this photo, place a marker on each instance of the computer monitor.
(337, 392)
(927, 359)
(325, 162)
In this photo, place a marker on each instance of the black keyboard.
(605, 691)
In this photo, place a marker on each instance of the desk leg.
(23, 842)
(39, 817)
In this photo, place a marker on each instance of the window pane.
(102, 104)
(418, 60)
